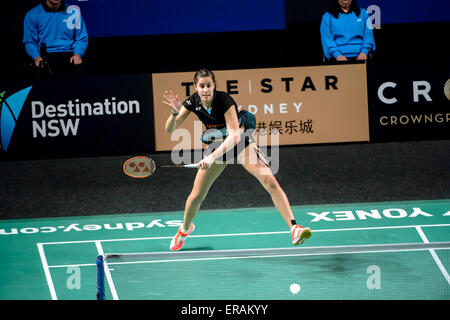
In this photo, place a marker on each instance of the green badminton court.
(55, 258)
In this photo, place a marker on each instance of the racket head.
(139, 167)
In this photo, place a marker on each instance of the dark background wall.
(321, 174)
(297, 44)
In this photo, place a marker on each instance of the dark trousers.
(58, 64)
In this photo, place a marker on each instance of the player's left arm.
(233, 138)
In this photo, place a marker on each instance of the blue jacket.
(61, 31)
(348, 35)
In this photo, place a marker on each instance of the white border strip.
(250, 234)
(48, 276)
(243, 257)
(434, 255)
(275, 256)
(107, 273)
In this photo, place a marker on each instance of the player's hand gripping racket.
(143, 167)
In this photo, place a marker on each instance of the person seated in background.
(346, 32)
(55, 37)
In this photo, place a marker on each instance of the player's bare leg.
(202, 183)
(255, 166)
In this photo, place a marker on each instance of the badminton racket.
(143, 166)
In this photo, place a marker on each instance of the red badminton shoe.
(179, 239)
(299, 234)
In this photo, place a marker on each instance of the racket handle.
(193, 165)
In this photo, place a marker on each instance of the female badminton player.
(217, 109)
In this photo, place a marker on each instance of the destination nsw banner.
(292, 106)
(75, 117)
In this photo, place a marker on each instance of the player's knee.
(270, 183)
(197, 197)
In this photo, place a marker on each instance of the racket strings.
(143, 166)
(139, 167)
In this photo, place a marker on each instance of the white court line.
(47, 271)
(107, 273)
(248, 234)
(363, 249)
(73, 265)
(434, 255)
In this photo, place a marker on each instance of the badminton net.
(385, 271)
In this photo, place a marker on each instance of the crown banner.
(76, 117)
(292, 106)
(409, 101)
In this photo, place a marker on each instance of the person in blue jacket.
(55, 33)
(346, 32)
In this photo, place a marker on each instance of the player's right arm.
(178, 112)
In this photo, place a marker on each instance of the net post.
(100, 278)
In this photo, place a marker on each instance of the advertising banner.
(76, 117)
(301, 105)
(409, 101)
